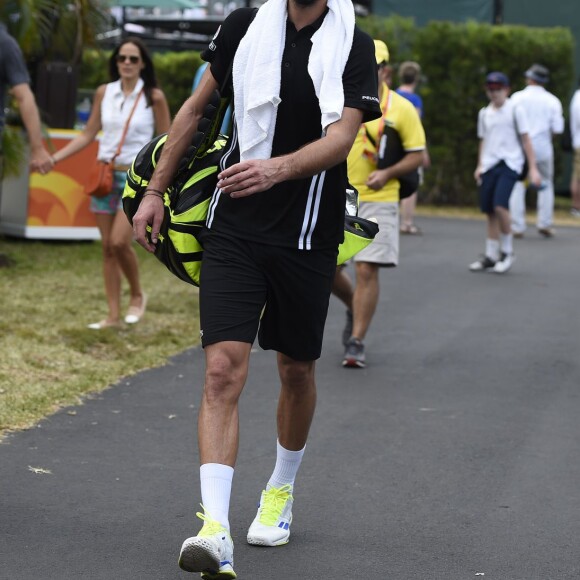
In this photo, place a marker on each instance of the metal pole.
(497, 12)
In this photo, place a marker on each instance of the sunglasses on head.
(125, 57)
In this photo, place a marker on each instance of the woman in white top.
(133, 80)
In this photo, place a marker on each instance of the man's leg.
(342, 289)
(545, 217)
(518, 208)
(225, 376)
(366, 297)
(296, 404)
(211, 551)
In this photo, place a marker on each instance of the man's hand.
(150, 213)
(534, 177)
(249, 177)
(40, 160)
(378, 178)
(477, 174)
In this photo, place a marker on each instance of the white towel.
(257, 71)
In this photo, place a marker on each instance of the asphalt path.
(454, 455)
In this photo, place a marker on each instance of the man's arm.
(378, 179)
(40, 158)
(477, 172)
(182, 130)
(533, 173)
(249, 177)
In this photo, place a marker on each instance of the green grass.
(48, 358)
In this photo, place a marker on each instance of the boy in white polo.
(503, 148)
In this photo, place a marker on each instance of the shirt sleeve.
(360, 79)
(557, 120)
(521, 120)
(15, 67)
(481, 124)
(411, 129)
(575, 116)
(222, 48)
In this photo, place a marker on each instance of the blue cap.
(497, 78)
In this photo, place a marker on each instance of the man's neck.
(302, 16)
(407, 88)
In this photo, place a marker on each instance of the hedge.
(454, 58)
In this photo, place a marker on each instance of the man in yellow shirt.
(379, 198)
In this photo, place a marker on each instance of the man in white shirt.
(545, 119)
(575, 132)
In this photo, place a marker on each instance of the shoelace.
(273, 503)
(210, 526)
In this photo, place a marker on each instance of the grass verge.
(48, 358)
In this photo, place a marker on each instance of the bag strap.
(126, 128)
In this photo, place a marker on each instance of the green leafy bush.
(455, 59)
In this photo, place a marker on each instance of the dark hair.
(409, 72)
(147, 73)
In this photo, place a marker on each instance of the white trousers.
(545, 205)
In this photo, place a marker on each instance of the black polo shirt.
(305, 213)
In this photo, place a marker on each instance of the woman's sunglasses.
(125, 57)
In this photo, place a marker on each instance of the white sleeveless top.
(115, 110)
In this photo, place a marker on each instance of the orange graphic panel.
(57, 199)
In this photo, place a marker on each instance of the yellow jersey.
(402, 116)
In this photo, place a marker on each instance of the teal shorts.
(111, 203)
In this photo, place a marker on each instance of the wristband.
(154, 190)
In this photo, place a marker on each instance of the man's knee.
(225, 374)
(366, 272)
(295, 374)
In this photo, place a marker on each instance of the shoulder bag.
(100, 180)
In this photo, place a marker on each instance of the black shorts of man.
(303, 81)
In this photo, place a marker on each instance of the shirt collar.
(118, 91)
(311, 28)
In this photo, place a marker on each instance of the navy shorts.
(496, 187)
(281, 294)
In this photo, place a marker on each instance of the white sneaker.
(271, 526)
(504, 263)
(211, 552)
(484, 264)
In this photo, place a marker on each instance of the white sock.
(507, 243)
(216, 487)
(287, 464)
(492, 249)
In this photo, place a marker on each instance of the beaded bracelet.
(153, 192)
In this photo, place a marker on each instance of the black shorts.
(282, 291)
